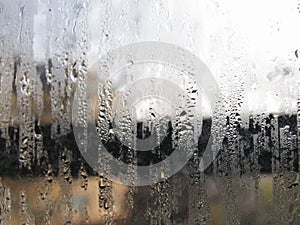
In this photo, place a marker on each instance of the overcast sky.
(254, 39)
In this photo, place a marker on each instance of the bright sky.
(254, 39)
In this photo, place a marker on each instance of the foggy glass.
(227, 96)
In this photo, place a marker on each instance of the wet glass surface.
(149, 112)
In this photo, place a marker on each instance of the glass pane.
(149, 112)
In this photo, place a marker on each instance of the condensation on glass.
(49, 55)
